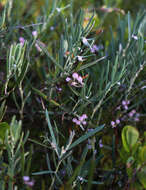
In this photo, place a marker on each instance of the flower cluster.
(34, 34)
(80, 120)
(76, 80)
(27, 181)
(115, 123)
(125, 104)
(90, 142)
(96, 48)
(132, 115)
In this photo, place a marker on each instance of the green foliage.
(142, 176)
(13, 141)
(129, 138)
(73, 74)
(3, 128)
(133, 156)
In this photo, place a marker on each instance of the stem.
(22, 101)
(53, 180)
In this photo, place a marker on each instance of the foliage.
(135, 158)
(75, 79)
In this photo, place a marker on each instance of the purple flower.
(27, 181)
(124, 103)
(74, 120)
(133, 111)
(75, 75)
(117, 121)
(100, 143)
(136, 119)
(78, 122)
(52, 28)
(84, 116)
(73, 83)
(38, 47)
(130, 114)
(126, 107)
(81, 118)
(128, 102)
(34, 33)
(68, 79)
(30, 183)
(59, 89)
(21, 40)
(26, 178)
(113, 124)
(84, 122)
(96, 48)
(80, 80)
(77, 78)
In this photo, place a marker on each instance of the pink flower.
(77, 78)
(80, 120)
(113, 124)
(73, 83)
(34, 33)
(80, 80)
(75, 75)
(84, 122)
(117, 121)
(126, 107)
(21, 40)
(133, 111)
(38, 47)
(26, 178)
(84, 116)
(130, 114)
(74, 120)
(68, 79)
(136, 119)
(124, 103)
(27, 181)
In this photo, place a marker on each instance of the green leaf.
(142, 176)
(43, 172)
(142, 154)
(86, 136)
(2, 110)
(129, 137)
(3, 128)
(52, 133)
(91, 64)
(15, 129)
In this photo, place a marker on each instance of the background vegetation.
(72, 94)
